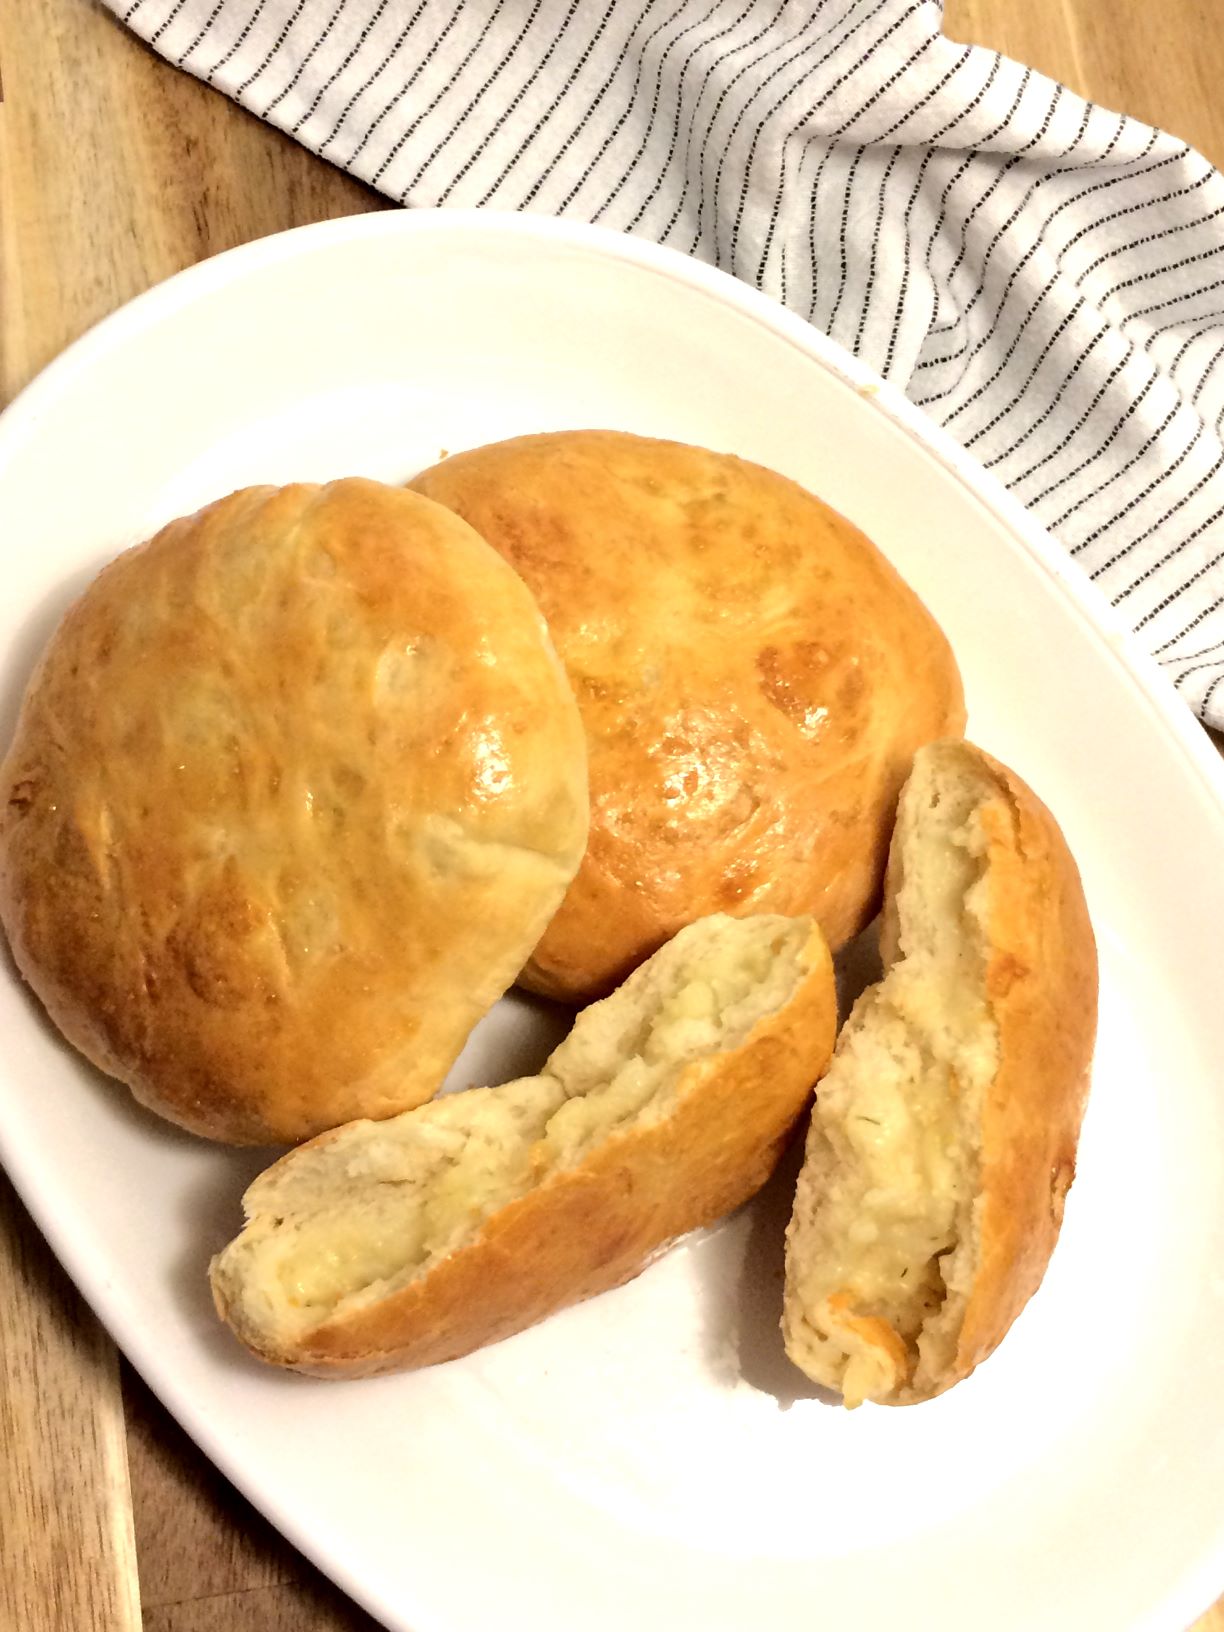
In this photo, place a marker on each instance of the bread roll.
(387, 1245)
(752, 673)
(943, 1140)
(293, 793)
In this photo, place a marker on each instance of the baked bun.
(294, 790)
(383, 1246)
(943, 1140)
(753, 675)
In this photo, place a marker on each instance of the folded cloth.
(1044, 277)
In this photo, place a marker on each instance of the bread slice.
(386, 1245)
(943, 1140)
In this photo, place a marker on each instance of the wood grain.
(313, 1606)
(116, 171)
(1161, 63)
(67, 1548)
(204, 1551)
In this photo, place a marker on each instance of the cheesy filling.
(378, 1203)
(891, 1148)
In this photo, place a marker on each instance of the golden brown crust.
(293, 791)
(596, 1225)
(1041, 983)
(753, 675)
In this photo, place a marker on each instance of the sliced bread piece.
(943, 1140)
(386, 1245)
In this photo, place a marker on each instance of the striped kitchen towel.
(1044, 277)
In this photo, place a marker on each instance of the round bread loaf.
(753, 675)
(294, 791)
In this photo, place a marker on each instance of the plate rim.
(19, 420)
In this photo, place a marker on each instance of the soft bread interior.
(881, 1247)
(359, 1213)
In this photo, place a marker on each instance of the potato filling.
(879, 1233)
(377, 1203)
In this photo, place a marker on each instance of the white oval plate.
(650, 1458)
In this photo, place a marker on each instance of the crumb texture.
(882, 1219)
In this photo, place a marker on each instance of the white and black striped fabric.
(1044, 277)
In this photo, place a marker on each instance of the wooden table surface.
(116, 171)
